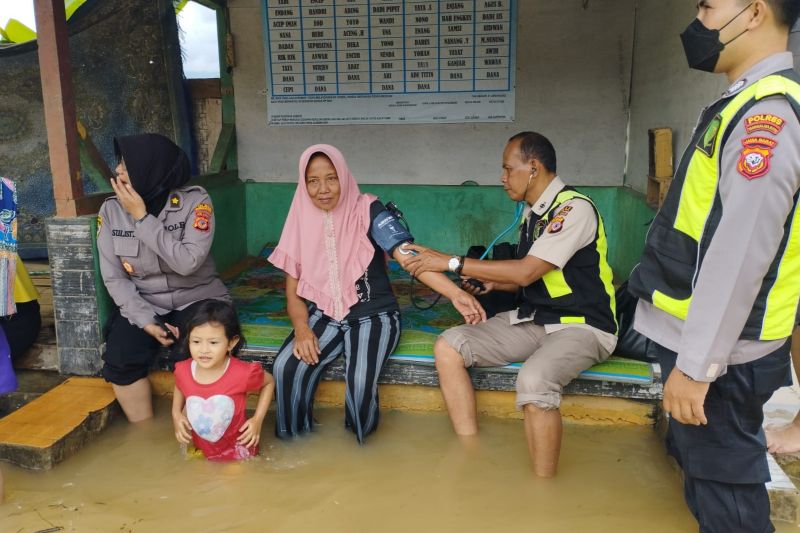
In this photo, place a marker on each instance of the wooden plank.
(64, 257)
(77, 282)
(80, 334)
(204, 88)
(660, 152)
(57, 424)
(69, 308)
(59, 104)
(59, 232)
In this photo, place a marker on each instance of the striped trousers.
(366, 343)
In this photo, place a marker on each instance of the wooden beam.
(225, 144)
(59, 104)
(227, 61)
(89, 205)
(213, 4)
(201, 89)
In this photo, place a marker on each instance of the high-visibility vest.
(580, 293)
(684, 226)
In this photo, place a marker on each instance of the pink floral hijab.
(327, 251)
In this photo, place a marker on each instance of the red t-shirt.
(216, 411)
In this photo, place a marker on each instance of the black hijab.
(155, 165)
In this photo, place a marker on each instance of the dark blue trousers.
(724, 463)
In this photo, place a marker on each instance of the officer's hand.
(684, 398)
(469, 307)
(158, 333)
(129, 198)
(306, 346)
(488, 286)
(426, 260)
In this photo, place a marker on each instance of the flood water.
(413, 475)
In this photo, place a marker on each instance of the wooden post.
(59, 105)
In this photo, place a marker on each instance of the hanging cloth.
(8, 245)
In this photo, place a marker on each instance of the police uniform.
(159, 265)
(718, 287)
(566, 320)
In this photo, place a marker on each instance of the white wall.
(666, 93)
(573, 77)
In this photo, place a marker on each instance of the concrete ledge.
(483, 379)
(578, 409)
(57, 424)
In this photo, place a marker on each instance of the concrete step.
(56, 424)
(784, 498)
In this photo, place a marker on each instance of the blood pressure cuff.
(388, 232)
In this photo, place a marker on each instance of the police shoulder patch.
(764, 122)
(203, 207)
(754, 159)
(556, 224)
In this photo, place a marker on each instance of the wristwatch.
(455, 264)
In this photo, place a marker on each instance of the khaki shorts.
(551, 360)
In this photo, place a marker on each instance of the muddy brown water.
(413, 475)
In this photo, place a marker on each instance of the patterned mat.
(259, 296)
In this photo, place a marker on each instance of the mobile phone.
(161, 322)
(478, 284)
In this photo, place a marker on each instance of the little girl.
(213, 386)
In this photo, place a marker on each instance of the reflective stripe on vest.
(556, 283)
(697, 197)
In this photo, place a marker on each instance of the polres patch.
(764, 122)
(755, 157)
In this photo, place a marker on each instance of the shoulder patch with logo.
(99, 223)
(764, 122)
(708, 142)
(556, 224)
(202, 217)
(754, 157)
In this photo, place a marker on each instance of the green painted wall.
(633, 217)
(452, 218)
(228, 195)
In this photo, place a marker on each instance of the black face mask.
(702, 45)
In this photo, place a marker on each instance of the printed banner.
(380, 62)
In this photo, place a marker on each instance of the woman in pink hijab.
(338, 296)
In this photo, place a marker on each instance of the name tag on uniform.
(173, 227)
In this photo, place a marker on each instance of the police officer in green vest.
(719, 278)
(565, 320)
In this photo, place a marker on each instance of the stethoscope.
(517, 216)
